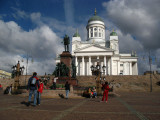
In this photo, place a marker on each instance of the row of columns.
(89, 64)
(109, 65)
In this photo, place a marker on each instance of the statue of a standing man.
(66, 42)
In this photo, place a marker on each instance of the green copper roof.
(95, 18)
(113, 33)
(76, 34)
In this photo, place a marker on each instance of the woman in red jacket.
(40, 89)
(105, 93)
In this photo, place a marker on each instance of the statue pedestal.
(66, 58)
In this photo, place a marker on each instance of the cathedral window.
(91, 32)
(95, 29)
(99, 34)
(95, 34)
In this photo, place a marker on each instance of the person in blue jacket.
(33, 85)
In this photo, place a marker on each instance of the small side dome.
(113, 33)
(76, 34)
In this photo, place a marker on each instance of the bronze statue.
(66, 42)
(61, 70)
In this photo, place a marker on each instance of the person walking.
(10, 89)
(1, 87)
(33, 85)
(67, 88)
(39, 92)
(105, 93)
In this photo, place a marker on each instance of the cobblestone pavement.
(127, 106)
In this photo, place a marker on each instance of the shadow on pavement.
(26, 103)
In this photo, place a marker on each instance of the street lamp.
(149, 57)
(27, 61)
(96, 70)
(150, 63)
(16, 72)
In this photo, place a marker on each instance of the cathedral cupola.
(76, 37)
(95, 29)
(113, 35)
(114, 43)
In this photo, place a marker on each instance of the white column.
(130, 68)
(105, 65)
(98, 60)
(118, 67)
(136, 69)
(89, 65)
(124, 68)
(76, 62)
(83, 65)
(111, 66)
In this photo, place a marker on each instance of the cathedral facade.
(97, 49)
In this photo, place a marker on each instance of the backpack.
(33, 81)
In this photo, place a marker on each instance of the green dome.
(113, 34)
(76, 34)
(95, 18)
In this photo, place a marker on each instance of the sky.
(35, 28)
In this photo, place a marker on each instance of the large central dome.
(95, 18)
(95, 29)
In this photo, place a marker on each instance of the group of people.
(105, 87)
(92, 92)
(35, 86)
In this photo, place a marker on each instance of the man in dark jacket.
(33, 85)
(67, 88)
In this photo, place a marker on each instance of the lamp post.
(96, 70)
(150, 57)
(27, 61)
(150, 63)
(17, 71)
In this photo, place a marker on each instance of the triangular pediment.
(93, 48)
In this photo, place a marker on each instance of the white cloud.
(136, 18)
(42, 43)
(137, 25)
(19, 13)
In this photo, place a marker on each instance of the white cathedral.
(97, 49)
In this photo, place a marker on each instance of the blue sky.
(68, 11)
(37, 27)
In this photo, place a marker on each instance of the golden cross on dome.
(95, 11)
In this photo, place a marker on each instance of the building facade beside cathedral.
(97, 49)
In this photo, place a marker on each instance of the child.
(40, 89)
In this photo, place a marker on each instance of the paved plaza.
(127, 106)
